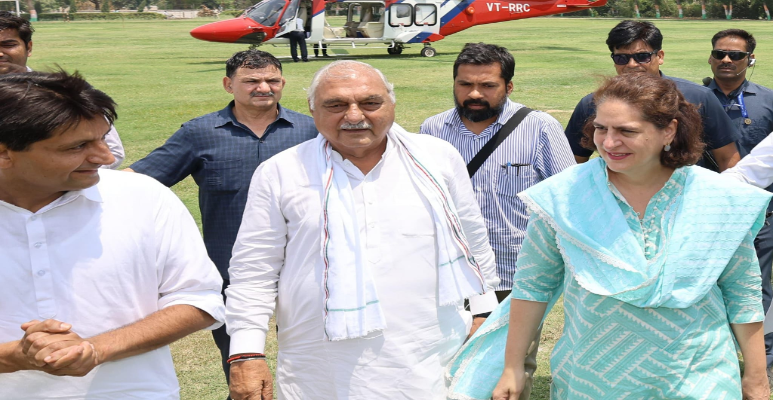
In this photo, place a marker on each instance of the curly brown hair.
(659, 102)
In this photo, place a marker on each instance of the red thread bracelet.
(241, 356)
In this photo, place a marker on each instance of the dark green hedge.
(96, 16)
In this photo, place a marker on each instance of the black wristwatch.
(482, 315)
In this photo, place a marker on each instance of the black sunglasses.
(641, 58)
(733, 55)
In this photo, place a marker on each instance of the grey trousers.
(530, 364)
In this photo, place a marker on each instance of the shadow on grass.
(563, 48)
(559, 48)
(540, 388)
(287, 60)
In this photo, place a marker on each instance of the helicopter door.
(287, 22)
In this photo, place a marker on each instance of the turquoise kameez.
(612, 349)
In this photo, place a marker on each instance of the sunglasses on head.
(641, 58)
(733, 55)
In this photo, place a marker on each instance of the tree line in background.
(706, 9)
(710, 9)
(42, 6)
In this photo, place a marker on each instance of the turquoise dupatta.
(703, 228)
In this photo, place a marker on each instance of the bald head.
(347, 70)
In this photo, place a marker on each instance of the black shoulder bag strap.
(497, 139)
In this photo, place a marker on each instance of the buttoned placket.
(40, 266)
(370, 214)
(372, 228)
(40, 258)
(478, 141)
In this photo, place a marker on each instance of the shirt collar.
(227, 115)
(746, 86)
(90, 193)
(352, 171)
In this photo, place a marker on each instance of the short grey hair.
(342, 69)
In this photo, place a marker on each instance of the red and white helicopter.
(390, 23)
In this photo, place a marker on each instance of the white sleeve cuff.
(483, 303)
(735, 174)
(208, 301)
(248, 341)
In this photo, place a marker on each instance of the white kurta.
(99, 259)
(757, 167)
(277, 252)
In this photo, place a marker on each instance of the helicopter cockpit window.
(400, 14)
(291, 12)
(426, 14)
(266, 12)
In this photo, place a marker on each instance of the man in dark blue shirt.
(636, 46)
(750, 107)
(221, 151)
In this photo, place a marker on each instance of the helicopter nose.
(228, 31)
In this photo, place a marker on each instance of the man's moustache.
(261, 94)
(476, 102)
(359, 125)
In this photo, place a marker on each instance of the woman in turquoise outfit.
(654, 258)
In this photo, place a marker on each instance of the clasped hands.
(50, 346)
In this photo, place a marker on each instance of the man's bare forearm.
(726, 156)
(154, 331)
(10, 357)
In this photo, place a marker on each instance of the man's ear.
(5, 157)
(227, 84)
(29, 48)
(509, 87)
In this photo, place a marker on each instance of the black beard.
(482, 114)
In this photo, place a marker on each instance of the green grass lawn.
(161, 77)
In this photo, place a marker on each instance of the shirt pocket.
(512, 180)
(223, 176)
(753, 134)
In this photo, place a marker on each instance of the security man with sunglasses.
(750, 107)
(636, 46)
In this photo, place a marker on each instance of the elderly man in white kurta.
(366, 240)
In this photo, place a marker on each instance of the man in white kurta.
(100, 269)
(278, 260)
